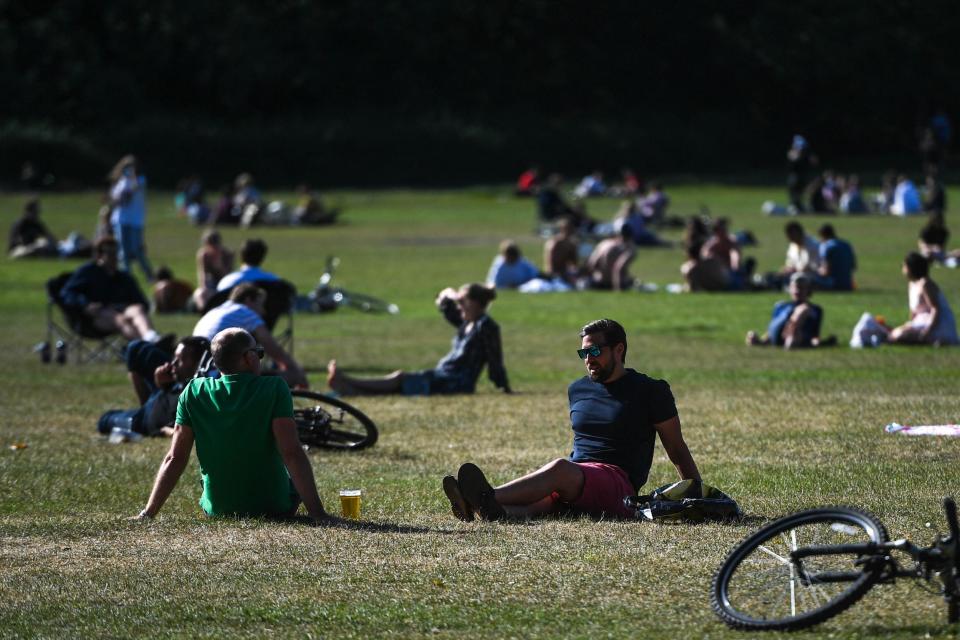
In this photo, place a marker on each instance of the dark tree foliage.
(855, 77)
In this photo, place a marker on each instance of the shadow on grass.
(334, 522)
(910, 630)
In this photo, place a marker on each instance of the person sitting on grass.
(561, 256)
(251, 460)
(510, 269)
(837, 262)
(477, 344)
(931, 319)
(29, 236)
(214, 261)
(110, 299)
(616, 415)
(169, 294)
(157, 381)
(795, 323)
(245, 309)
(704, 274)
(608, 267)
(252, 253)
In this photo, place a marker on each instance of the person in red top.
(528, 181)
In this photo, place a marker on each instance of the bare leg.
(138, 318)
(540, 508)
(109, 321)
(560, 476)
(906, 334)
(348, 385)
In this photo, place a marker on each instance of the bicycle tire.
(330, 423)
(756, 588)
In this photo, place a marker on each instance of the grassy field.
(778, 431)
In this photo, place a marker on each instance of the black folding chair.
(76, 332)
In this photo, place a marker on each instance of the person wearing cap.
(795, 323)
(251, 460)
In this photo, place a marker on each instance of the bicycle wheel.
(760, 586)
(365, 303)
(330, 423)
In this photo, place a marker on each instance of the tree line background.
(434, 92)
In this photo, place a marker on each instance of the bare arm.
(298, 465)
(170, 469)
(294, 375)
(621, 269)
(201, 269)
(929, 295)
(672, 440)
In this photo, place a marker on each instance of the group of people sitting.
(810, 191)
(243, 204)
(252, 464)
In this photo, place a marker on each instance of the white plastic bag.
(868, 332)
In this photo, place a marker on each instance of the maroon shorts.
(604, 488)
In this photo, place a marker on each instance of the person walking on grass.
(616, 414)
(251, 461)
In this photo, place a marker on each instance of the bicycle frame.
(942, 558)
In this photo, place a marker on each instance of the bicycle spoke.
(769, 552)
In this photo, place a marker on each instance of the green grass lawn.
(778, 431)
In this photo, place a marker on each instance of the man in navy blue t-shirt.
(616, 414)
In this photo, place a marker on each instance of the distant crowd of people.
(811, 191)
(238, 402)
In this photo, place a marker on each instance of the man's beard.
(603, 373)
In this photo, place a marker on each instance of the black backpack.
(689, 500)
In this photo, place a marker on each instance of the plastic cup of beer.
(350, 503)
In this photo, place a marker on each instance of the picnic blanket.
(952, 430)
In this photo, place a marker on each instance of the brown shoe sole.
(460, 507)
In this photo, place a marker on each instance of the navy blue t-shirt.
(613, 423)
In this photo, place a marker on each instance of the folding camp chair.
(75, 331)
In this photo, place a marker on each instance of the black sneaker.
(458, 504)
(479, 493)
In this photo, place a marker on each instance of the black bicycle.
(330, 423)
(326, 297)
(322, 421)
(809, 566)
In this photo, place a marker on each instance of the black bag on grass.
(689, 500)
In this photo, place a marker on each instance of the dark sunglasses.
(592, 350)
(258, 350)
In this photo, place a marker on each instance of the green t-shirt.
(231, 418)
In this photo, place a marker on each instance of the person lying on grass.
(251, 461)
(795, 323)
(616, 414)
(475, 346)
(157, 380)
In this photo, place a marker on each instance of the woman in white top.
(931, 319)
(128, 214)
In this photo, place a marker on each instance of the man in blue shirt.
(794, 323)
(510, 269)
(837, 262)
(616, 414)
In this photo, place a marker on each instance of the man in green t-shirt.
(246, 439)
